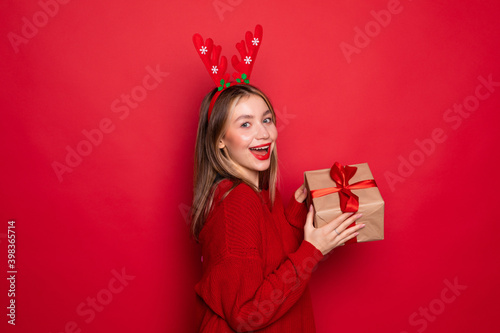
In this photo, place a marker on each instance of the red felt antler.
(209, 54)
(248, 54)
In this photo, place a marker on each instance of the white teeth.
(261, 148)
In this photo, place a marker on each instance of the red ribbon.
(349, 202)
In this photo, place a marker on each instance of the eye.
(247, 124)
(268, 120)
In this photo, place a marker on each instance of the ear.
(222, 145)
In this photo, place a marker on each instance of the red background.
(122, 208)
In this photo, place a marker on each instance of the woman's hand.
(301, 194)
(332, 234)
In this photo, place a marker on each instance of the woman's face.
(250, 137)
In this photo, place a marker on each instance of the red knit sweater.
(256, 265)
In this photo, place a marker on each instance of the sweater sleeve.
(296, 216)
(235, 287)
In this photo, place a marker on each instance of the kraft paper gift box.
(347, 189)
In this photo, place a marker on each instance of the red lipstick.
(261, 152)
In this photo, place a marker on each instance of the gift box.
(349, 188)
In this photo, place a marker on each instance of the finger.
(301, 194)
(309, 218)
(350, 230)
(351, 236)
(344, 225)
(329, 227)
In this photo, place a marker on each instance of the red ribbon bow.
(349, 202)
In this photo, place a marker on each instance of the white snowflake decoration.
(214, 69)
(203, 50)
(247, 60)
(255, 41)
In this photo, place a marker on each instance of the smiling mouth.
(261, 152)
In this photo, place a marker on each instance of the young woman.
(257, 256)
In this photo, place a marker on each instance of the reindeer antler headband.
(209, 54)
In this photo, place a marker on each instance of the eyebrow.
(247, 116)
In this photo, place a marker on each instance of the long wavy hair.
(211, 164)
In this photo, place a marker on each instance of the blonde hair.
(211, 165)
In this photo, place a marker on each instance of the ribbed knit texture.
(256, 265)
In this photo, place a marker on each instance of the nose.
(263, 132)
